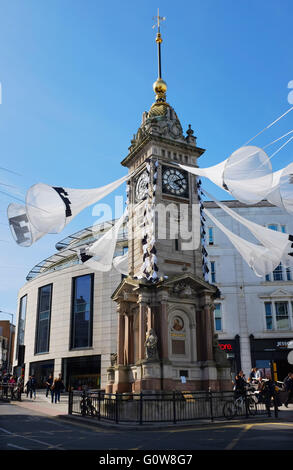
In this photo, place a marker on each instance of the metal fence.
(165, 407)
(9, 392)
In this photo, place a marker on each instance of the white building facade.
(254, 315)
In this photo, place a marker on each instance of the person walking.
(288, 385)
(269, 393)
(57, 388)
(49, 384)
(31, 387)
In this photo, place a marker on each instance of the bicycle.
(241, 406)
(86, 406)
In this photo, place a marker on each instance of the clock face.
(175, 182)
(141, 186)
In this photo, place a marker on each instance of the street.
(23, 428)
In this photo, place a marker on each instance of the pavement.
(44, 406)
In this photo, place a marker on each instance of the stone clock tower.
(166, 335)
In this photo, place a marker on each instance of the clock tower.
(166, 335)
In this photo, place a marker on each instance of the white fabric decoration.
(248, 174)
(282, 191)
(23, 232)
(50, 209)
(101, 252)
(120, 263)
(271, 239)
(261, 259)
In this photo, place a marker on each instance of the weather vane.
(159, 39)
(158, 18)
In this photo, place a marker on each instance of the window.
(218, 317)
(211, 235)
(43, 319)
(277, 315)
(82, 306)
(282, 317)
(273, 227)
(21, 323)
(283, 228)
(269, 316)
(213, 271)
(278, 273)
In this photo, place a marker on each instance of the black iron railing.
(166, 407)
(10, 392)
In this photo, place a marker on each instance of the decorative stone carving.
(113, 359)
(151, 345)
(183, 289)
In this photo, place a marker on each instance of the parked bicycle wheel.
(252, 409)
(229, 410)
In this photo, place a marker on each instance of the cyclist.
(240, 384)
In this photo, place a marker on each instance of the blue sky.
(76, 76)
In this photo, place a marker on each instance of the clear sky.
(76, 76)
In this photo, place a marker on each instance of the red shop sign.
(225, 346)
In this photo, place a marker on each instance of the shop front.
(41, 370)
(270, 356)
(82, 372)
(232, 348)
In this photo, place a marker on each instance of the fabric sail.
(271, 239)
(99, 256)
(260, 259)
(51, 208)
(23, 232)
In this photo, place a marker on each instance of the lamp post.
(9, 344)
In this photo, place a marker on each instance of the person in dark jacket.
(49, 383)
(268, 392)
(240, 384)
(57, 388)
(288, 385)
(31, 387)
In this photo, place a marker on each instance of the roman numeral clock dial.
(174, 182)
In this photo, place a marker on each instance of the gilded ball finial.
(160, 88)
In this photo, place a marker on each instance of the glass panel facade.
(43, 321)
(21, 323)
(81, 322)
(282, 317)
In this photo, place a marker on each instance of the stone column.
(120, 339)
(141, 332)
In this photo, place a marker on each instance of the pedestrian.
(11, 384)
(288, 385)
(258, 374)
(49, 384)
(57, 388)
(252, 375)
(269, 393)
(240, 384)
(31, 387)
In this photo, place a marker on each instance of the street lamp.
(9, 346)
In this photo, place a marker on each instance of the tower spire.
(160, 87)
